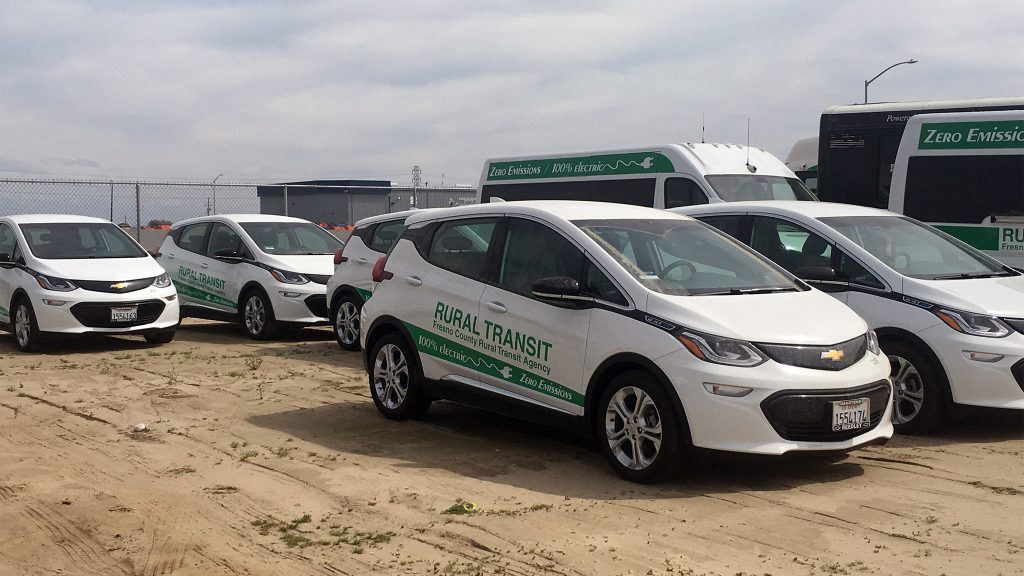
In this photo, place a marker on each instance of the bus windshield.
(739, 187)
(915, 249)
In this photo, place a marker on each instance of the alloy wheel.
(633, 428)
(908, 387)
(391, 376)
(22, 325)
(255, 314)
(346, 323)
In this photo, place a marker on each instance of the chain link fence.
(146, 207)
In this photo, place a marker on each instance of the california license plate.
(124, 314)
(851, 414)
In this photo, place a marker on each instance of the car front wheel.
(919, 401)
(258, 316)
(26, 330)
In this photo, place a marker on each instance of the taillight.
(338, 258)
(379, 274)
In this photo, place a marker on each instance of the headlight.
(873, 346)
(288, 277)
(56, 284)
(162, 281)
(719, 350)
(974, 324)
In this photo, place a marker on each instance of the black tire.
(631, 453)
(160, 336)
(257, 315)
(27, 336)
(921, 394)
(346, 326)
(396, 379)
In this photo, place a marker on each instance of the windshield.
(80, 240)
(683, 257)
(739, 187)
(915, 249)
(291, 238)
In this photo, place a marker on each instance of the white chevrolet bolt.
(652, 330)
(76, 275)
(950, 318)
(266, 272)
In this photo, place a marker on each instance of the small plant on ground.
(253, 360)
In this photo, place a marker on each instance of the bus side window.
(683, 192)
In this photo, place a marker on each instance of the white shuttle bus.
(668, 176)
(964, 173)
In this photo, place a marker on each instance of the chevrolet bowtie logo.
(123, 285)
(833, 355)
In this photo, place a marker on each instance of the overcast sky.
(274, 90)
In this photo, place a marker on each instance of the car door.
(184, 264)
(8, 245)
(445, 282)
(533, 348)
(222, 267)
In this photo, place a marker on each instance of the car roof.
(787, 207)
(54, 219)
(563, 209)
(390, 216)
(239, 218)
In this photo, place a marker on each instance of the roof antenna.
(751, 168)
(702, 127)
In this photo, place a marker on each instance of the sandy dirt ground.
(270, 458)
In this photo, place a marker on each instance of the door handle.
(204, 265)
(414, 280)
(170, 256)
(361, 260)
(497, 307)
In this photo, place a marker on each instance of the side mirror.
(558, 288)
(815, 273)
(226, 253)
(5, 257)
(154, 254)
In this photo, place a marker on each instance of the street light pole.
(215, 193)
(866, 82)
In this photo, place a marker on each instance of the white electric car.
(950, 318)
(351, 284)
(263, 271)
(76, 275)
(651, 329)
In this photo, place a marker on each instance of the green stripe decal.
(972, 135)
(4, 311)
(197, 294)
(364, 294)
(450, 351)
(981, 237)
(581, 166)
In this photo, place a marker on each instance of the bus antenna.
(702, 127)
(750, 168)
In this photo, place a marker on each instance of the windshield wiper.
(967, 276)
(742, 291)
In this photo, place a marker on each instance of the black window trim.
(373, 233)
(206, 236)
(490, 246)
(681, 176)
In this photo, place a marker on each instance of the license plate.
(851, 414)
(124, 314)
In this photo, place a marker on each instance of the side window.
(461, 246)
(193, 238)
(597, 285)
(7, 241)
(683, 192)
(533, 251)
(224, 241)
(791, 246)
(851, 271)
(385, 235)
(728, 224)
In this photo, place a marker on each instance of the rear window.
(741, 187)
(80, 240)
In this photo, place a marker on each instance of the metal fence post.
(348, 218)
(138, 213)
(285, 199)
(111, 200)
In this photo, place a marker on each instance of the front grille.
(317, 304)
(97, 314)
(318, 278)
(114, 286)
(806, 415)
(835, 357)
(1018, 373)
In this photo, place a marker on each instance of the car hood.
(811, 317)
(101, 269)
(996, 296)
(318, 264)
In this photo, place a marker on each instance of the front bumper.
(976, 383)
(83, 311)
(788, 408)
(299, 303)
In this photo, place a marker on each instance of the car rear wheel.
(258, 316)
(346, 322)
(639, 431)
(26, 330)
(396, 379)
(920, 391)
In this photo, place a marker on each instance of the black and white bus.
(857, 145)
